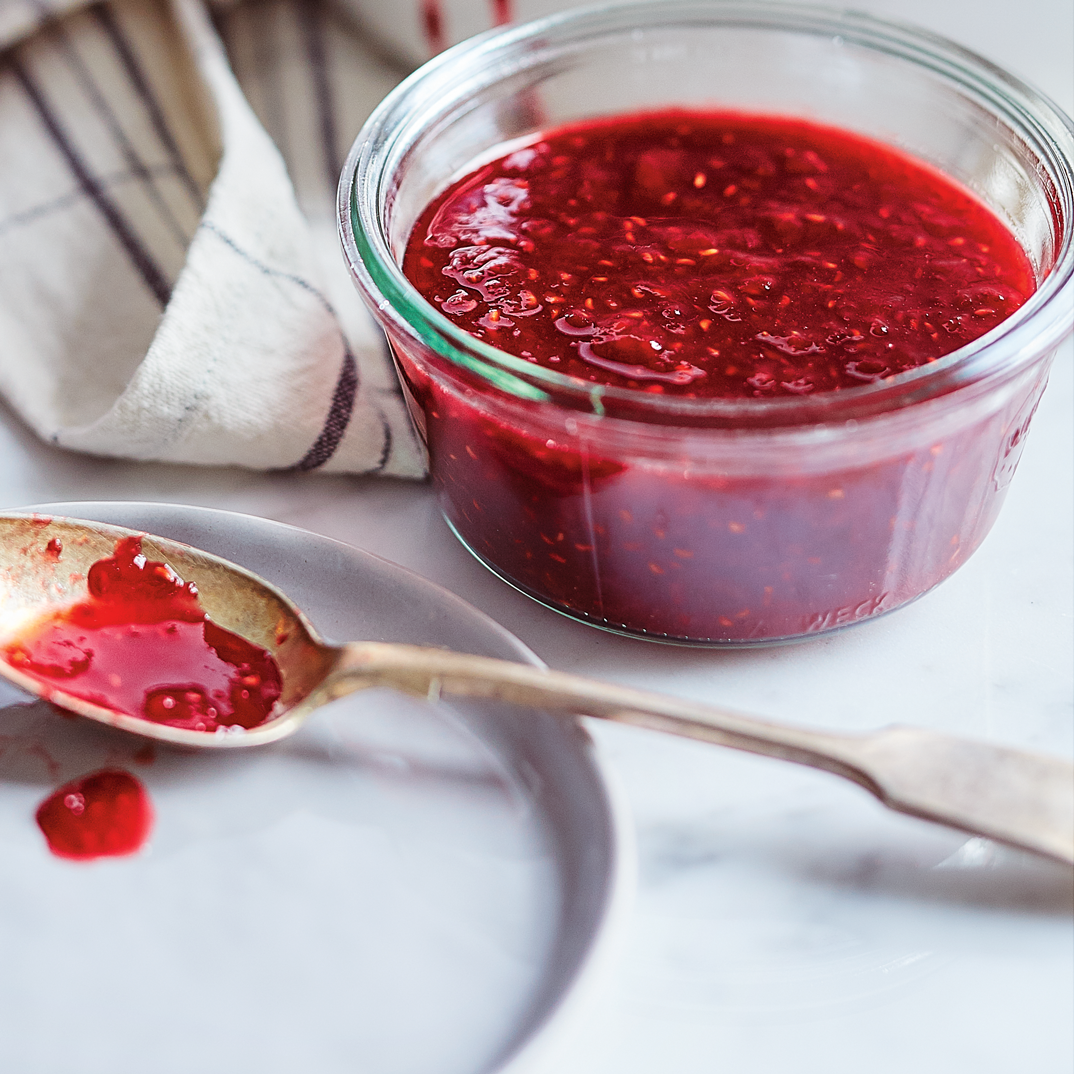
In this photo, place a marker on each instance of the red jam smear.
(104, 814)
(717, 256)
(142, 645)
(713, 256)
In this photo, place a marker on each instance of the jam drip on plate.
(104, 814)
(141, 644)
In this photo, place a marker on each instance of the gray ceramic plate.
(401, 888)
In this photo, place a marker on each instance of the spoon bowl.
(1020, 798)
(45, 563)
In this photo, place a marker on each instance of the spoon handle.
(1024, 799)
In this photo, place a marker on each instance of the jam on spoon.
(142, 644)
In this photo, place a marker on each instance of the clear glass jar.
(717, 521)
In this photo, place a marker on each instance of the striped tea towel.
(170, 283)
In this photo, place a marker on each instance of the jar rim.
(1032, 331)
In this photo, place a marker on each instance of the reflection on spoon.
(1023, 799)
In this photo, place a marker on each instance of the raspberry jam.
(716, 256)
(105, 814)
(141, 644)
(727, 258)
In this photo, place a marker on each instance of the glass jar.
(717, 521)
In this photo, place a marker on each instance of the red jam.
(717, 255)
(105, 814)
(712, 256)
(141, 644)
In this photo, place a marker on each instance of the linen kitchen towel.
(170, 282)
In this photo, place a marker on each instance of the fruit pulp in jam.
(711, 256)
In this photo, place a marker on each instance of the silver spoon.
(1024, 799)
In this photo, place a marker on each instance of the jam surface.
(141, 644)
(104, 814)
(716, 255)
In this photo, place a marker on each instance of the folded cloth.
(170, 282)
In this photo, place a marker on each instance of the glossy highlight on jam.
(141, 644)
(105, 814)
(713, 257)
(716, 255)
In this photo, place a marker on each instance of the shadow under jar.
(717, 521)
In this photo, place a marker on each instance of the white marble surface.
(784, 922)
